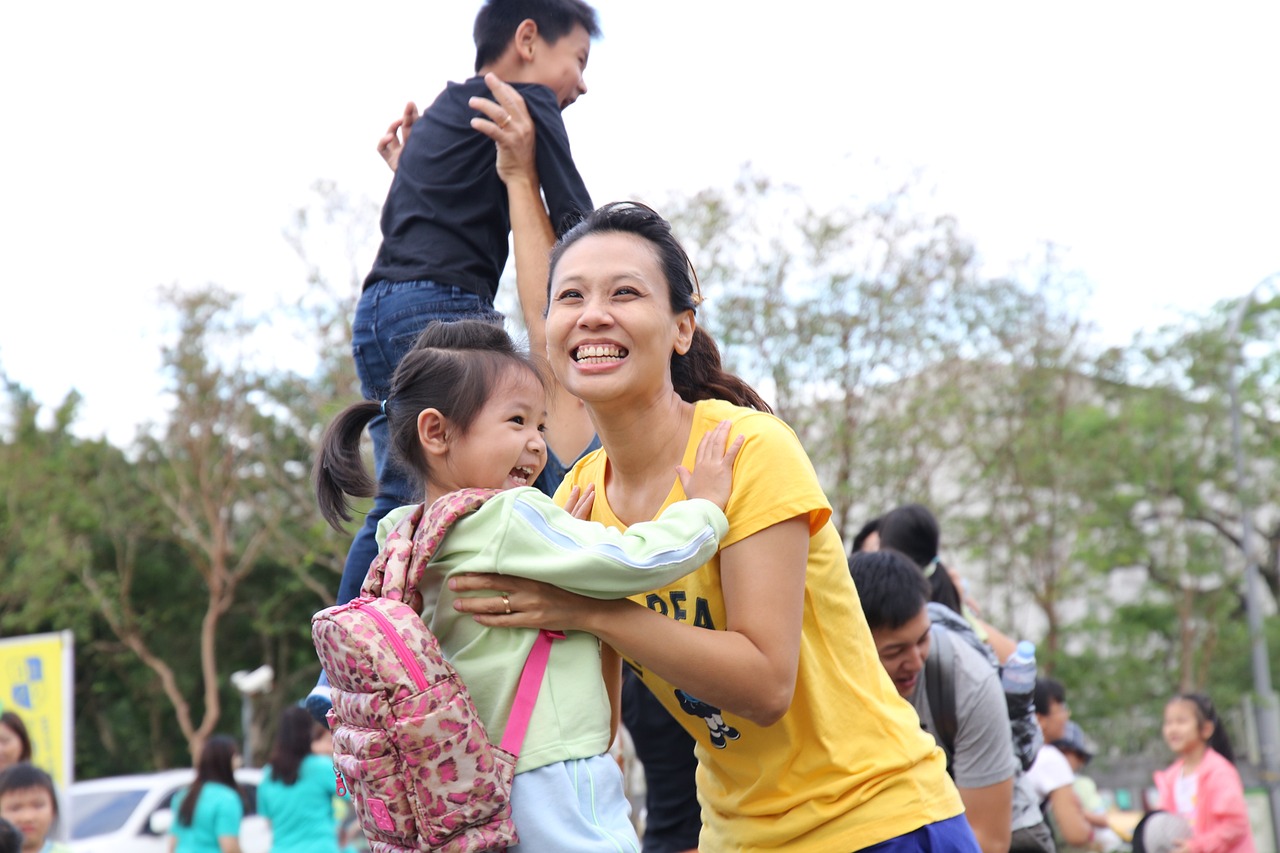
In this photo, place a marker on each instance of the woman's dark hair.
(13, 722)
(293, 744)
(25, 775)
(890, 587)
(215, 765)
(454, 368)
(913, 530)
(864, 533)
(497, 21)
(697, 374)
(1219, 742)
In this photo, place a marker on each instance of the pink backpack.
(407, 740)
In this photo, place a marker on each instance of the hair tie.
(931, 567)
(383, 407)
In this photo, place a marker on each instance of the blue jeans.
(952, 835)
(389, 318)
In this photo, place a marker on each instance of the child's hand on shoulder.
(712, 474)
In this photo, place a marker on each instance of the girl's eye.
(518, 419)
(542, 427)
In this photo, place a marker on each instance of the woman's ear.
(433, 432)
(686, 325)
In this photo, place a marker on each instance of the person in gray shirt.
(894, 594)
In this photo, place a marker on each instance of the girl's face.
(31, 810)
(1183, 730)
(10, 747)
(504, 447)
(610, 328)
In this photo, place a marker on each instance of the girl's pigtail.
(339, 469)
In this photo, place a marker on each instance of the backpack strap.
(397, 570)
(535, 666)
(940, 689)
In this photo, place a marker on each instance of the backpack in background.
(408, 742)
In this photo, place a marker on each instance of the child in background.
(466, 411)
(1072, 745)
(296, 794)
(1202, 785)
(207, 815)
(28, 801)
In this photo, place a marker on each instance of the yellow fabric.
(848, 765)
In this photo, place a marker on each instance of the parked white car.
(131, 814)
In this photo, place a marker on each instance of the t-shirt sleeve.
(539, 540)
(1050, 772)
(773, 480)
(984, 745)
(562, 187)
(227, 816)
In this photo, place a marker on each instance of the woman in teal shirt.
(297, 789)
(209, 812)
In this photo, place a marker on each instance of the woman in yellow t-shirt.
(762, 654)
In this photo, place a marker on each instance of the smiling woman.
(754, 650)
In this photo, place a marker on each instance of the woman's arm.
(748, 669)
(229, 844)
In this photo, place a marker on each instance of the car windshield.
(99, 812)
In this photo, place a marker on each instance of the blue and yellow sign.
(36, 682)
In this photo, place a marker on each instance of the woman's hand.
(393, 141)
(523, 603)
(712, 474)
(510, 126)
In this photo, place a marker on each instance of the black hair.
(1048, 691)
(14, 723)
(1219, 742)
(891, 587)
(913, 530)
(292, 744)
(497, 22)
(10, 838)
(454, 368)
(872, 526)
(25, 775)
(215, 765)
(697, 374)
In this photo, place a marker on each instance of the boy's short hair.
(1048, 691)
(497, 21)
(891, 587)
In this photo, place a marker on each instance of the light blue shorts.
(575, 806)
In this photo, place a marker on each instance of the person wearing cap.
(1075, 747)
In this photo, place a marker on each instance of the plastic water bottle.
(1018, 675)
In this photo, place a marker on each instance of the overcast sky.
(148, 144)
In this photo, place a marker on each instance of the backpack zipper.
(397, 642)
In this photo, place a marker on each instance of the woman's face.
(610, 329)
(10, 747)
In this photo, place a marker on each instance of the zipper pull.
(341, 783)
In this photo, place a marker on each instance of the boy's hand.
(510, 126)
(393, 141)
(712, 475)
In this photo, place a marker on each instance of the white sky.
(155, 143)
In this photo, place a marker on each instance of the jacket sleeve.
(540, 541)
(1222, 818)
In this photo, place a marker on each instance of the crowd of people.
(782, 693)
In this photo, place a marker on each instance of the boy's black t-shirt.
(446, 218)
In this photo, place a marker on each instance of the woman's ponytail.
(699, 375)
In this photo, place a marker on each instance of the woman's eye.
(626, 291)
(568, 294)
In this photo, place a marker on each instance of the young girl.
(296, 793)
(466, 410)
(29, 802)
(1202, 785)
(208, 814)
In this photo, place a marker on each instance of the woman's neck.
(644, 445)
(1192, 757)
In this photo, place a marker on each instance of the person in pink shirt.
(1202, 785)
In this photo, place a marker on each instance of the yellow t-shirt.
(848, 765)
